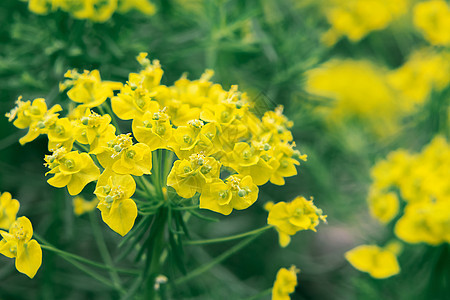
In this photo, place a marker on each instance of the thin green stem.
(202, 269)
(90, 273)
(103, 249)
(76, 264)
(156, 176)
(144, 185)
(67, 255)
(81, 146)
(229, 238)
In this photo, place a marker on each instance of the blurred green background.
(266, 47)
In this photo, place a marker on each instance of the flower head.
(17, 243)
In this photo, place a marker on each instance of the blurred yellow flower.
(383, 206)
(433, 19)
(81, 206)
(356, 18)
(8, 210)
(285, 283)
(357, 89)
(378, 262)
(422, 180)
(424, 71)
(95, 10)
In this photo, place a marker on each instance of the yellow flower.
(189, 176)
(378, 262)
(144, 6)
(8, 210)
(427, 222)
(73, 170)
(153, 129)
(239, 192)
(287, 158)
(356, 18)
(34, 116)
(343, 82)
(61, 134)
(424, 71)
(125, 158)
(285, 283)
(433, 19)
(133, 100)
(40, 7)
(81, 206)
(383, 206)
(94, 130)
(248, 160)
(114, 191)
(88, 88)
(17, 243)
(289, 218)
(422, 181)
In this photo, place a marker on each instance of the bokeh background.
(345, 121)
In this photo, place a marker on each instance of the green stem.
(103, 249)
(156, 176)
(154, 253)
(81, 146)
(67, 255)
(200, 270)
(90, 273)
(229, 238)
(144, 185)
(81, 267)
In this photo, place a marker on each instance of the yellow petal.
(121, 217)
(29, 258)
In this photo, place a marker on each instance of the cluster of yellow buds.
(17, 242)
(421, 180)
(94, 10)
(225, 151)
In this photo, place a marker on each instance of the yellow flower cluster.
(422, 182)
(424, 71)
(345, 81)
(376, 97)
(433, 19)
(225, 151)
(356, 18)
(17, 242)
(289, 218)
(94, 10)
(378, 262)
(285, 283)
